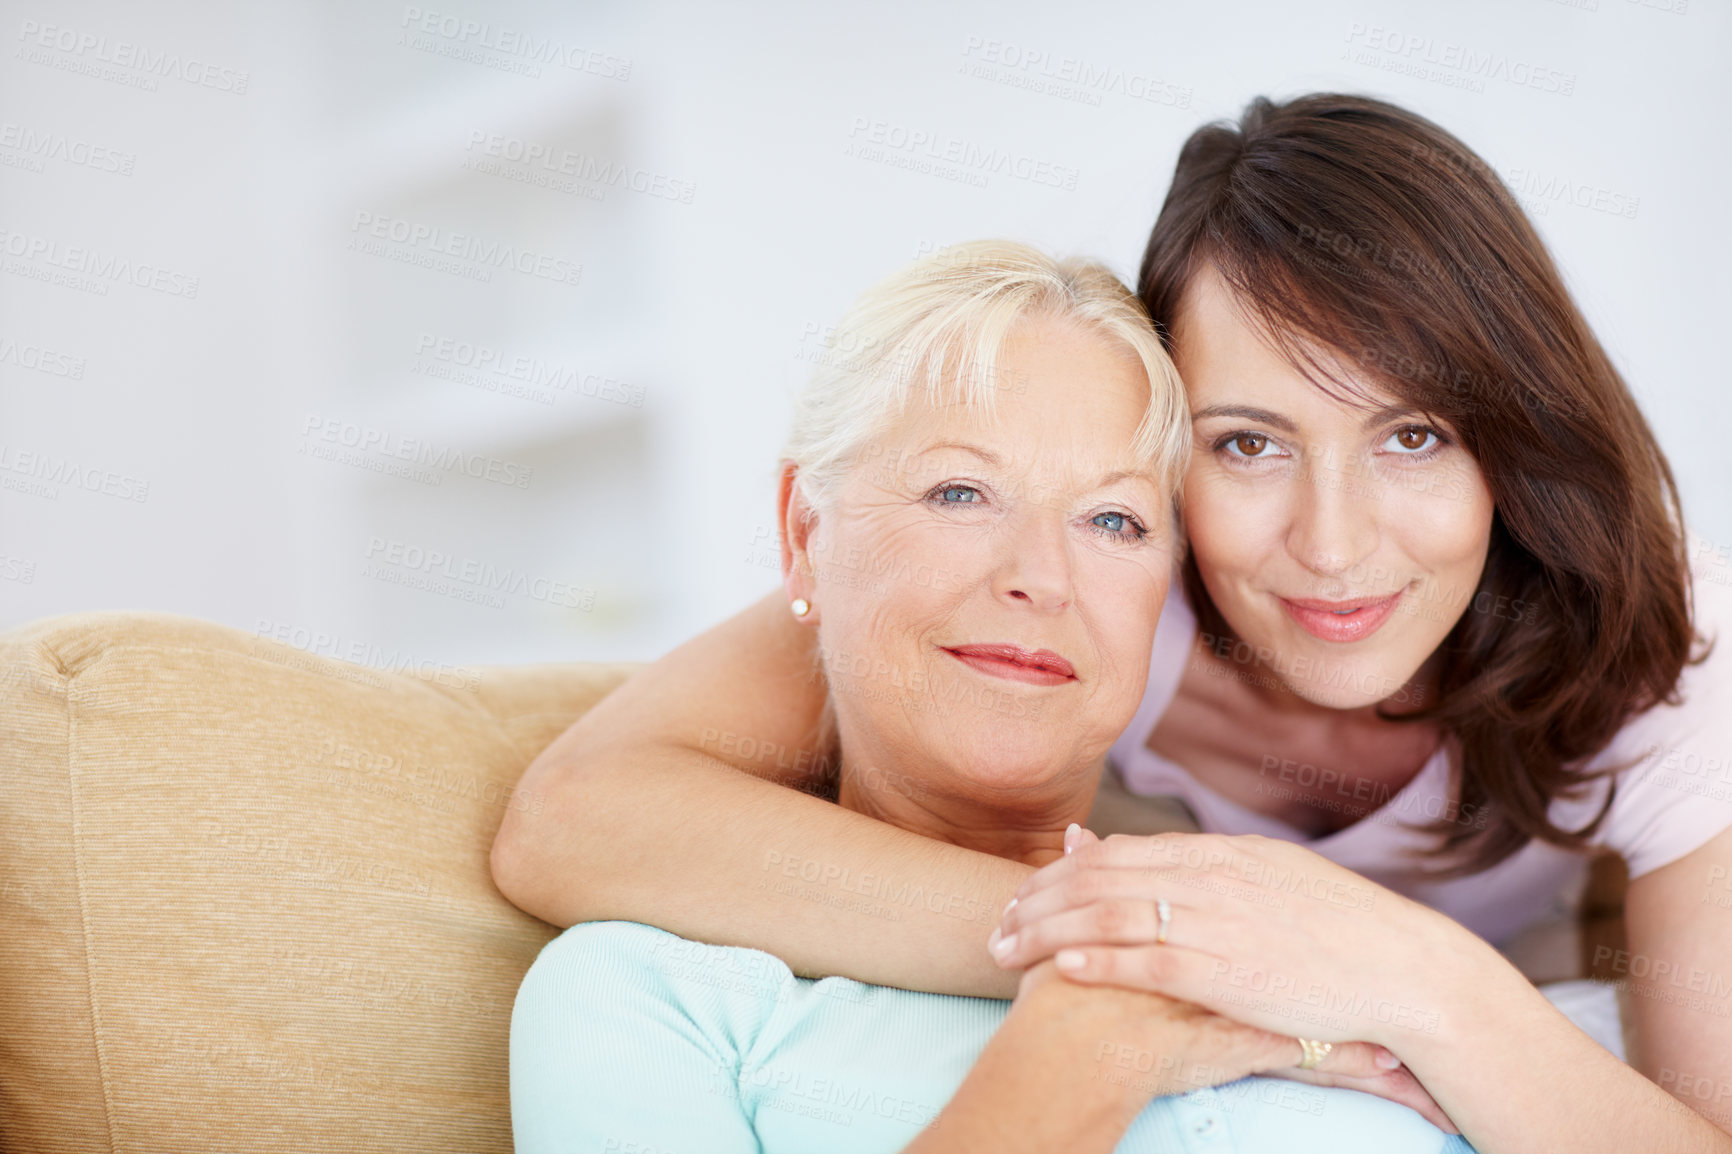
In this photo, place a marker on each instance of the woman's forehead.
(1075, 459)
(1228, 361)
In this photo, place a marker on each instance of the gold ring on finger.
(1315, 1052)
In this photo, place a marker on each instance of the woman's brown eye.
(1249, 444)
(1413, 438)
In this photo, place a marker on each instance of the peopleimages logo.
(936, 153)
(324, 436)
(87, 49)
(436, 247)
(40, 359)
(552, 161)
(447, 34)
(45, 471)
(433, 567)
(39, 145)
(40, 254)
(446, 358)
(1446, 62)
(1066, 77)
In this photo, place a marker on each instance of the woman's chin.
(1334, 698)
(1011, 768)
(1348, 685)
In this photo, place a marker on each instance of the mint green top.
(629, 1040)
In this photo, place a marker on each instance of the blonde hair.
(946, 317)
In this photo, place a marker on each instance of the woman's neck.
(1309, 766)
(1020, 827)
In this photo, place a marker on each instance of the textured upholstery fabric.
(245, 901)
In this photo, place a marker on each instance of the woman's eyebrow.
(1245, 413)
(1265, 416)
(989, 457)
(1115, 477)
(995, 461)
(1378, 416)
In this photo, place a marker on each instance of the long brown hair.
(1352, 227)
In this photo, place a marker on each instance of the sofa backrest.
(245, 901)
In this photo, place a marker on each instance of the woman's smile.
(1014, 663)
(1341, 620)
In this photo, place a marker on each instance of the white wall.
(171, 472)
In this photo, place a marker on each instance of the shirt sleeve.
(621, 1044)
(1676, 794)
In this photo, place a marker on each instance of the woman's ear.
(798, 523)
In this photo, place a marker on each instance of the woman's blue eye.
(959, 495)
(1118, 525)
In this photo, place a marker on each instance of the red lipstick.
(1014, 663)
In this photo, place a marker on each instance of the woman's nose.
(1036, 565)
(1335, 519)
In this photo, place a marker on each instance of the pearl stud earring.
(800, 606)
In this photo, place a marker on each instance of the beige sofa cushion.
(244, 891)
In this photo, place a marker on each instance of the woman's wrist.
(1042, 1081)
(1136, 1045)
(1128, 1047)
(1460, 987)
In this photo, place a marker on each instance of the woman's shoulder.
(617, 954)
(600, 979)
(622, 939)
(1674, 760)
(616, 1019)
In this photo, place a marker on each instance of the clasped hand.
(1266, 942)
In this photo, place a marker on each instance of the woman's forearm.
(673, 839)
(1517, 1076)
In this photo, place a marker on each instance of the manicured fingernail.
(1001, 948)
(1071, 833)
(1010, 907)
(1070, 961)
(1388, 1060)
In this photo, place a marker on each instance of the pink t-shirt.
(1675, 796)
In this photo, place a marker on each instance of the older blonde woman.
(977, 519)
